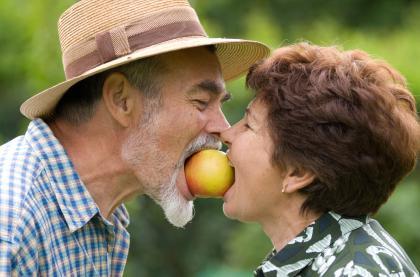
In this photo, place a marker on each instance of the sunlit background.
(212, 245)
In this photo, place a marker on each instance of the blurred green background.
(212, 245)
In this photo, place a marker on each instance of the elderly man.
(143, 91)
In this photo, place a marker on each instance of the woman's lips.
(228, 193)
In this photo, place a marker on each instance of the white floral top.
(334, 245)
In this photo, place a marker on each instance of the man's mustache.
(200, 143)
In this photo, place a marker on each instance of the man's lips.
(181, 183)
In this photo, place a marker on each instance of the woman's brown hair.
(343, 115)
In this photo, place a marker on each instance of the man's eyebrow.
(212, 87)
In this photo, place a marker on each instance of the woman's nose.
(227, 135)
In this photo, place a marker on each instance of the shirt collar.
(122, 215)
(74, 200)
(313, 240)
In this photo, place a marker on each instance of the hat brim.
(235, 57)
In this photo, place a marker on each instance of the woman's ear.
(296, 179)
(119, 98)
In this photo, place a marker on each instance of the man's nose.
(217, 123)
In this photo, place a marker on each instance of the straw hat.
(96, 35)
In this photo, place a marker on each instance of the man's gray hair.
(79, 103)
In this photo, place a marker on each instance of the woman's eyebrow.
(249, 114)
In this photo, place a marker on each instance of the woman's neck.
(284, 223)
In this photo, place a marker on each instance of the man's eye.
(201, 104)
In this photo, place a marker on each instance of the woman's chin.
(227, 211)
(230, 211)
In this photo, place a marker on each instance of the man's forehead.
(195, 70)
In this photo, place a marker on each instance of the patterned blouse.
(340, 246)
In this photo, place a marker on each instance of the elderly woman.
(321, 147)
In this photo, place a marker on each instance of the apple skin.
(209, 174)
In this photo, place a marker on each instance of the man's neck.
(95, 150)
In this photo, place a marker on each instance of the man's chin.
(179, 215)
(178, 210)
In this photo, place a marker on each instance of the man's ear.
(296, 178)
(119, 98)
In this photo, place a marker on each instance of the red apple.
(208, 173)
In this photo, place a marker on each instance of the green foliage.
(212, 245)
(31, 58)
(400, 217)
(158, 249)
(256, 241)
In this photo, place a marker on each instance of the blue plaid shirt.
(49, 223)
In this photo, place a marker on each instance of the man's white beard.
(177, 209)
